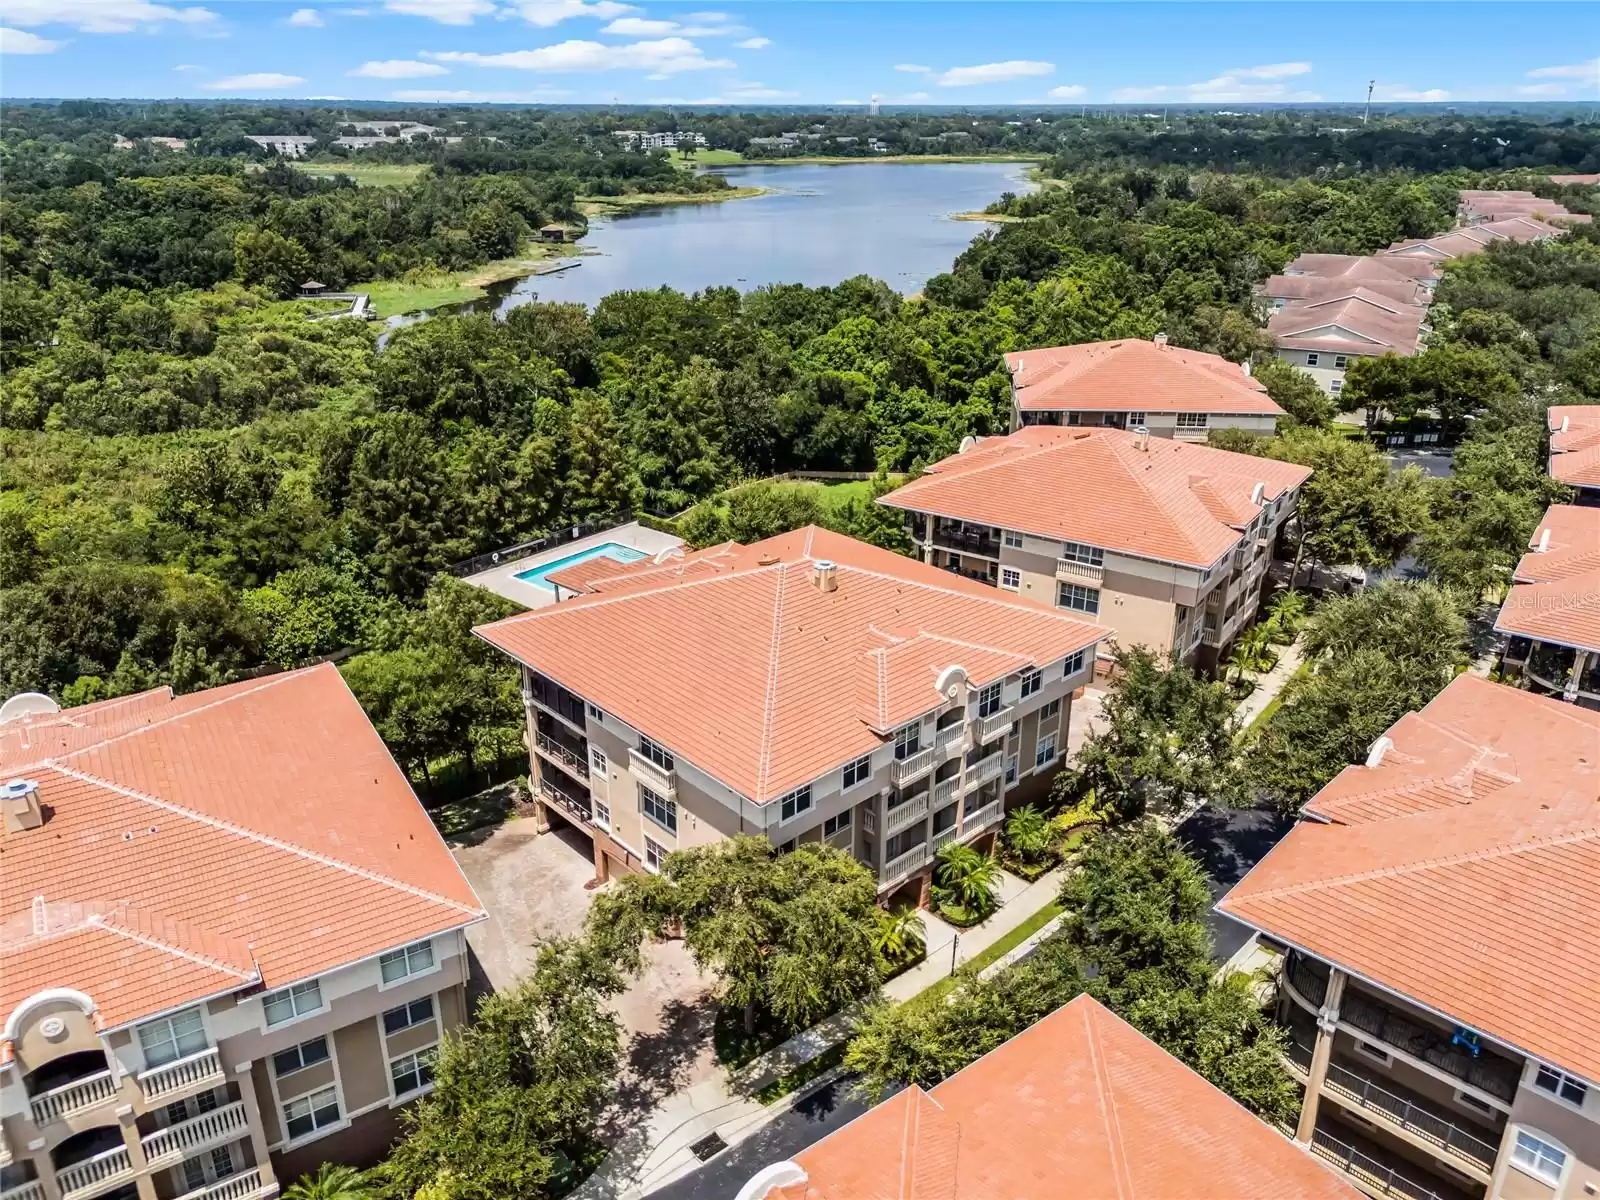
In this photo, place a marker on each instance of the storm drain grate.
(708, 1146)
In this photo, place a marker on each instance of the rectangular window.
(836, 823)
(1336, 386)
(795, 803)
(222, 1162)
(1032, 681)
(1074, 664)
(1339, 361)
(292, 1002)
(1050, 710)
(858, 772)
(194, 1173)
(598, 763)
(172, 1038)
(1192, 420)
(1010, 578)
(662, 811)
(787, 847)
(1472, 1102)
(407, 1016)
(298, 1058)
(1312, 360)
(989, 700)
(1078, 598)
(1014, 540)
(1376, 1053)
(1538, 1157)
(654, 855)
(1089, 556)
(1046, 753)
(402, 964)
(307, 1114)
(908, 740)
(656, 754)
(411, 1072)
(602, 812)
(1135, 419)
(1559, 1083)
(595, 714)
(1011, 769)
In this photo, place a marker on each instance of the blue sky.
(777, 52)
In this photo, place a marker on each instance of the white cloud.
(913, 68)
(661, 57)
(995, 72)
(1543, 89)
(446, 12)
(1137, 95)
(255, 81)
(1401, 91)
(1584, 71)
(20, 41)
(1272, 71)
(755, 43)
(759, 91)
(186, 67)
(1234, 86)
(545, 13)
(646, 27)
(103, 16)
(398, 68)
(464, 96)
(306, 18)
(1071, 91)
(913, 98)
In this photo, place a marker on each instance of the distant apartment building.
(232, 941)
(1166, 542)
(639, 139)
(1131, 383)
(289, 145)
(1551, 615)
(1575, 448)
(805, 688)
(1477, 207)
(1081, 1105)
(1442, 962)
(1323, 337)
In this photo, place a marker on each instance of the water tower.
(872, 107)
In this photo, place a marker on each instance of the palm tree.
(1285, 611)
(900, 936)
(331, 1183)
(968, 878)
(1240, 660)
(1030, 834)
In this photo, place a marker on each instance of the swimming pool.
(538, 576)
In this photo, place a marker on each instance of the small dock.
(556, 268)
(357, 305)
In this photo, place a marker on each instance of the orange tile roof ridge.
(775, 652)
(1106, 1096)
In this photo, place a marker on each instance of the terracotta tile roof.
(1555, 596)
(1361, 266)
(1134, 376)
(1333, 287)
(1521, 228)
(1080, 1104)
(194, 843)
(1174, 501)
(1575, 444)
(1500, 205)
(607, 575)
(764, 681)
(1462, 870)
(1575, 179)
(1456, 243)
(1358, 324)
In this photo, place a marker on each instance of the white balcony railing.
(913, 766)
(985, 769)
(655, 777)
(898, 868)
(1067, 569)
(943, 836)
(995, 724)
(183, 1076)
(32, 1190)
(908, 813)
(87, 1092)
(984, 817)
(5, 1156)
(562, 755)
(950, 739)
(944, 791)
(178, 1142)
(105, 1171)
(244, 1186)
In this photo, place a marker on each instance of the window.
(182, 1110)
(1010, 578)
(292, 1002)
(787, 847)
(869, 822)
(222, 1162)
(858, 772)
(1089, 556)
(1472, 1102)
(298, 1058)
(1046, 753)
(1339, 361)
(173, 1037)
(1376, 1053)
(307, 1114)
(598, 763)
(1312, 360)
(411, 1072)
(989, 700)
(602, 812)
(1011, 769)
(1073, 665)
(1050, 710)
(1032, 681)
(1014, 540)
(407, 1016)
(908, 740)
(1078, 598)
(795, 803)
(1538, 1157)
(1192, 420)
(1559, 1083)
(654, 855)
(194, 1173)
(1135, 419)
(402, 964)
(656, 754)
(662, 811)
(836, 823)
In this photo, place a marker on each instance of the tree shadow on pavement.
(657, 1064)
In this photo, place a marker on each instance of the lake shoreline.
(610, 206)
(839, 160)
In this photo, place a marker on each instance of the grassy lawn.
(802, 1075)
(836, 495)
(365, 174)
(391, 296)
(1008, 943)
(705, 158)
(1273, 705)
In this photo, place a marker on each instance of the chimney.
(1565, 417)
(1247, 368)
(1257, 492)
(20, 800)
(1161, 340)
(1378, 749)
(825, 575)
(1544, 540)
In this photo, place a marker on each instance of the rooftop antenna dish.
(27, 704)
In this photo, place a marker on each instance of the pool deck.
(503, 581)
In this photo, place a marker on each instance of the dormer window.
(908, 740)
(989, 700)
(1559, 1083)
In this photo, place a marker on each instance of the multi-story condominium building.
(805, 688)
(1436, 905)
(232, 939)
(1080, 1104)
(1133, 384)
(1575, 449)
(1166, 542)
(1323, 337)
(1551, 615)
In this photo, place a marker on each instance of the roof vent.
(1247, 367)
(967, 443)
(1160, 339)
(825, 575)
(20, 800)
(1141, 439)
(1565, 418)
(1379, 748)
(1544, 540)
(1257, 492)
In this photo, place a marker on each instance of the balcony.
(657, 778)
(170, 1146)
(981, 819)
(5, 1152)
(575, 806)
(95, 1176)
(950, 739)
(32, 1190)
(985, 769)
(1077, 572)
(182, 1077)
(944, 790)
(1353, 1155)
(906, 813)
(995, 724)
(246, 1185)
(913, 766)
(569, 758)
(985, 545)
(898, 868)
(558, 702)
(80, 1094)
(1399, 1108)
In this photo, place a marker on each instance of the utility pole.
(1367, 114)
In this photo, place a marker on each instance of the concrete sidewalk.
(1268, 686)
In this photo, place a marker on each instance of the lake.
(819, 225)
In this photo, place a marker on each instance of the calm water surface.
(819, 225)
